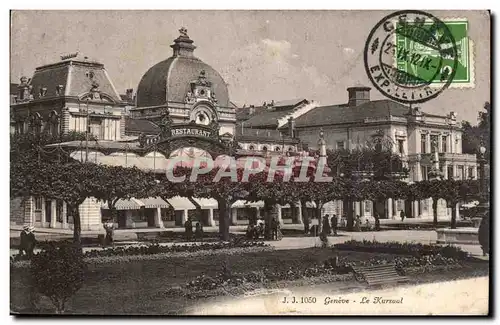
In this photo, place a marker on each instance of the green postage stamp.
(464, 74)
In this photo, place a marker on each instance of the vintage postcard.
(327, 162)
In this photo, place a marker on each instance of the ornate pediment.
(201, 89)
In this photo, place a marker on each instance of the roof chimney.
(129, 93)
(358, 95)
(183, 45)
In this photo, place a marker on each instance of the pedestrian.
(28, 241)
(334, 222)
(109, 227)
(377, 222)
(198, 231)
(357, 223)
(306, 225)
(326, 225)
(274, 229)
(188, 229)
(402, 215)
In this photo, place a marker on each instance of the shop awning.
(132, 204)
(308, 205)
(155, 202)
(207, 203)
(244, 204)
(181, 203)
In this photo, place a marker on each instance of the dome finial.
(183, 31)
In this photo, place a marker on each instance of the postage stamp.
(407, 52)
(464, 74)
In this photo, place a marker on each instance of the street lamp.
(484, 198)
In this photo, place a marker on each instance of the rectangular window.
(444, 147)
(470, 172)
(38, 203)
(96, 128)
(434, 143)
(401, 147)
(340, 145)
(423, 143)
(424, 173)
(460, 172)
(450, 172)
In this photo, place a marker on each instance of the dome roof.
(169, 80)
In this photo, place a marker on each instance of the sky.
(262, 55)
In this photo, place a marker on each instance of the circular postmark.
(410, 56)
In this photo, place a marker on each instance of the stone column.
(416, 209)
(65, 215)
(428, 143)
(474, 172)
(389, 208)
(440, 142)
(357, 208)
(53, 213)
(445, 170)
(211, 222)
(185, 216)
(158, 221)
(234, 216)
(362, 208)
(280, 218)
(457, 212)
(394, 209)
(257, 212)
(43, 217)
(454, 171)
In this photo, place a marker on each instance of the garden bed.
(146, 286)
(402, 248)
(156, 249)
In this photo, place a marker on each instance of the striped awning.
(308, 205)
(181, 203)
(207, 203)
(155, 202)
(244, 204)
(132, 204)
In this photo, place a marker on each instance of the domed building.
(186, 87)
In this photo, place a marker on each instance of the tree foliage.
(58, 273)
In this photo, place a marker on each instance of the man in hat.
(28, 241)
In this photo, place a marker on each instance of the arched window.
(264, 148)
(277, 149)
(290, 148)
(251, 147)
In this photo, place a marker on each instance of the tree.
(475, 136)
(58, 273)
(116, 182)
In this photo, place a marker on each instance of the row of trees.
(36, 172)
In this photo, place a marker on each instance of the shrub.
(403, 248)
(58, 273)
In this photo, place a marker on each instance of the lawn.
(138, 287)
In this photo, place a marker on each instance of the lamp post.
(483, 184)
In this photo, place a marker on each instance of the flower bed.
(154, 249)
(402, 248)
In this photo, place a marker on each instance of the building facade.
(187, 97)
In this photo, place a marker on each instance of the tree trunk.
(408, 208)
(348, 211)
(293, 208)
(305, 216)
(318, 215)
(269, 213)
(434, 211)
(77, 224)
(224, 221)
(453, 215)
(198, 212)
